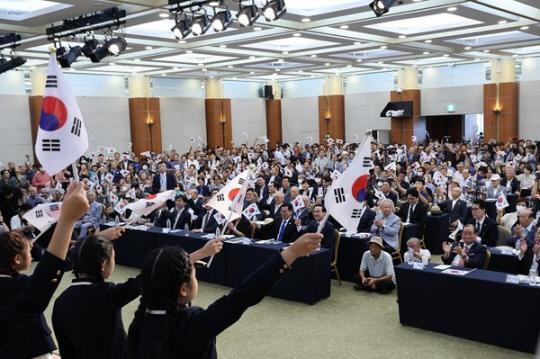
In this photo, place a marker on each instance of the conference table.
(307, 282)
(479, 306)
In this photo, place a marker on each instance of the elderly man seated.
(529, 256)
(466, 253)
(415, 253)
(93, 218)
(376, 270)
(386, 225)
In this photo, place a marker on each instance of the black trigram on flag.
(149, 204)
(241, 181)
(52, 82)
(50, 145)
(366, 162)
(54, 207)
(39, 213)
(340, 195)
(76, 128)
(220, 197)
(356, 213)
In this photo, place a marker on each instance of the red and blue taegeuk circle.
(359, 188)
(233, 193)
(53, 114)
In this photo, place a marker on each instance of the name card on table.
(418, 265)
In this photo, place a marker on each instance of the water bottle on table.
(186, 230)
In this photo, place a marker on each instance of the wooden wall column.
(218, 122)
(35, 103)
(402, 129)
(145, 121)
(273, 122)
(331, 117)
(501, 125)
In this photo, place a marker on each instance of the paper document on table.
(456, 271)
(442, 266)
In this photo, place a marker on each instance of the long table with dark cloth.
(479, 306)
(307, 282)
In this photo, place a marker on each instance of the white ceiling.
(314, 38)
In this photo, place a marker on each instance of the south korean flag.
(62, 136)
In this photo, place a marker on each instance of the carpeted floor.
(349, 324)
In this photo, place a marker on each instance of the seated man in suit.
(387, 225)
(386, 189)
(180, 216)
(206, 221)
(456, 208)
(366, 220)
(328, 231)
(195, 202)
(529, 256)
(283, 229)
(163, 181)
(251, 198)
(486, 228)
(93, 217)
(414, 211)
(466, 253)
(376, 270)
(160, 217)
(524, 230)
(303, 213)
(274, 208)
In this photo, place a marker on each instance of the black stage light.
(247, 15)
(99, 54)
(222, 20)
(6, 65)
(182, 28)
(200, 25)
(116, 46)
(274, 9)
(89, 47)
(67, 58)
(381, 7)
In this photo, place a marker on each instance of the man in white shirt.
(376, 270)
(415, 253)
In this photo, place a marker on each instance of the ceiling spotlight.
(182, 28)
(200, 25)
(99, 54)
(215, 3)
(116, 46)
(274, 9)
(247, 15)
(89, 47)
(164, 15)
(15, 62)
(381, 7)
(306, 19)
(222, 20)
(67, 58)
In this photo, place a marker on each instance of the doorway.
(443, 127)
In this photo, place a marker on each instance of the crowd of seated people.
(405, 183)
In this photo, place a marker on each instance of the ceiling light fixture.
(118, 45)
(306, 19)
(200, 25)
(451, 9)
(182, 28)
(222, 20)
(67, 58)
(274, 9)
(247, 15)
(381, 7)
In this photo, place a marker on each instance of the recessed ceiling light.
(164, 15)
(451, 9)
(230, 66)
(181, 41)
(297, 34)
(385, 69)
(501, 22)
(426, 52)
(380, 62)
(148, 47)
(189, 51)
(349, 66)
(417, 0)
(402, 36)
(476, 59)
(137, 60)
(175, 68)
(359, 60)
(428, 41)
(357, 43)
(285, 52)
(384, 47)
(523, 28)
(306, 19)
(327, 64)
(204, 70)
(32, 67)
(314, 55)
(486, 51)
(468, 47)
(446, 55)
(252, 73)
(201, 65)
(278, 70)
(129, 48)
(280, 60)
(252, 57)
(514, 56)
(163, 74)
(257, 28)
(344, 27)
(112, 64)
(234, 78)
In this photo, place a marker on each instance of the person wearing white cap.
(495, 190)
(376, 270)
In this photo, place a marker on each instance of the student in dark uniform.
(166, 326)
(87, 317)
(23, 330)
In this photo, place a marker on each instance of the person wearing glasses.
(486, 228)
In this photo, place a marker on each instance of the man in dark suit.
(180, 216)
(486, 228)
(261, 189)
(275, 206)
(456, 207)
(303, 213)
(366, 220)
(160, 216)
(283, 229)
(413, 211)
(529, 256)
(524, 230)
(274, 176)
(510, 181)
(195, 202)
(328, 231)
(466, 253)
(206, 222)
(163, 181)
(386, 189)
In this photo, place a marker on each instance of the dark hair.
(89, 255)
(182, 197)
(163, 273)
(421, 180)
(11, 244)
(287, 205)
(413, 192)
(320, 205)
(480, 203)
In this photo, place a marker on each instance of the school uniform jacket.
(195, 332)
(87, 318)
(23, 299)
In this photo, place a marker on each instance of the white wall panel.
(181, 119)
(15, 129)
(300, 119)
(249, 116)
(362, 112)
(467, 99)
(528, 110)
